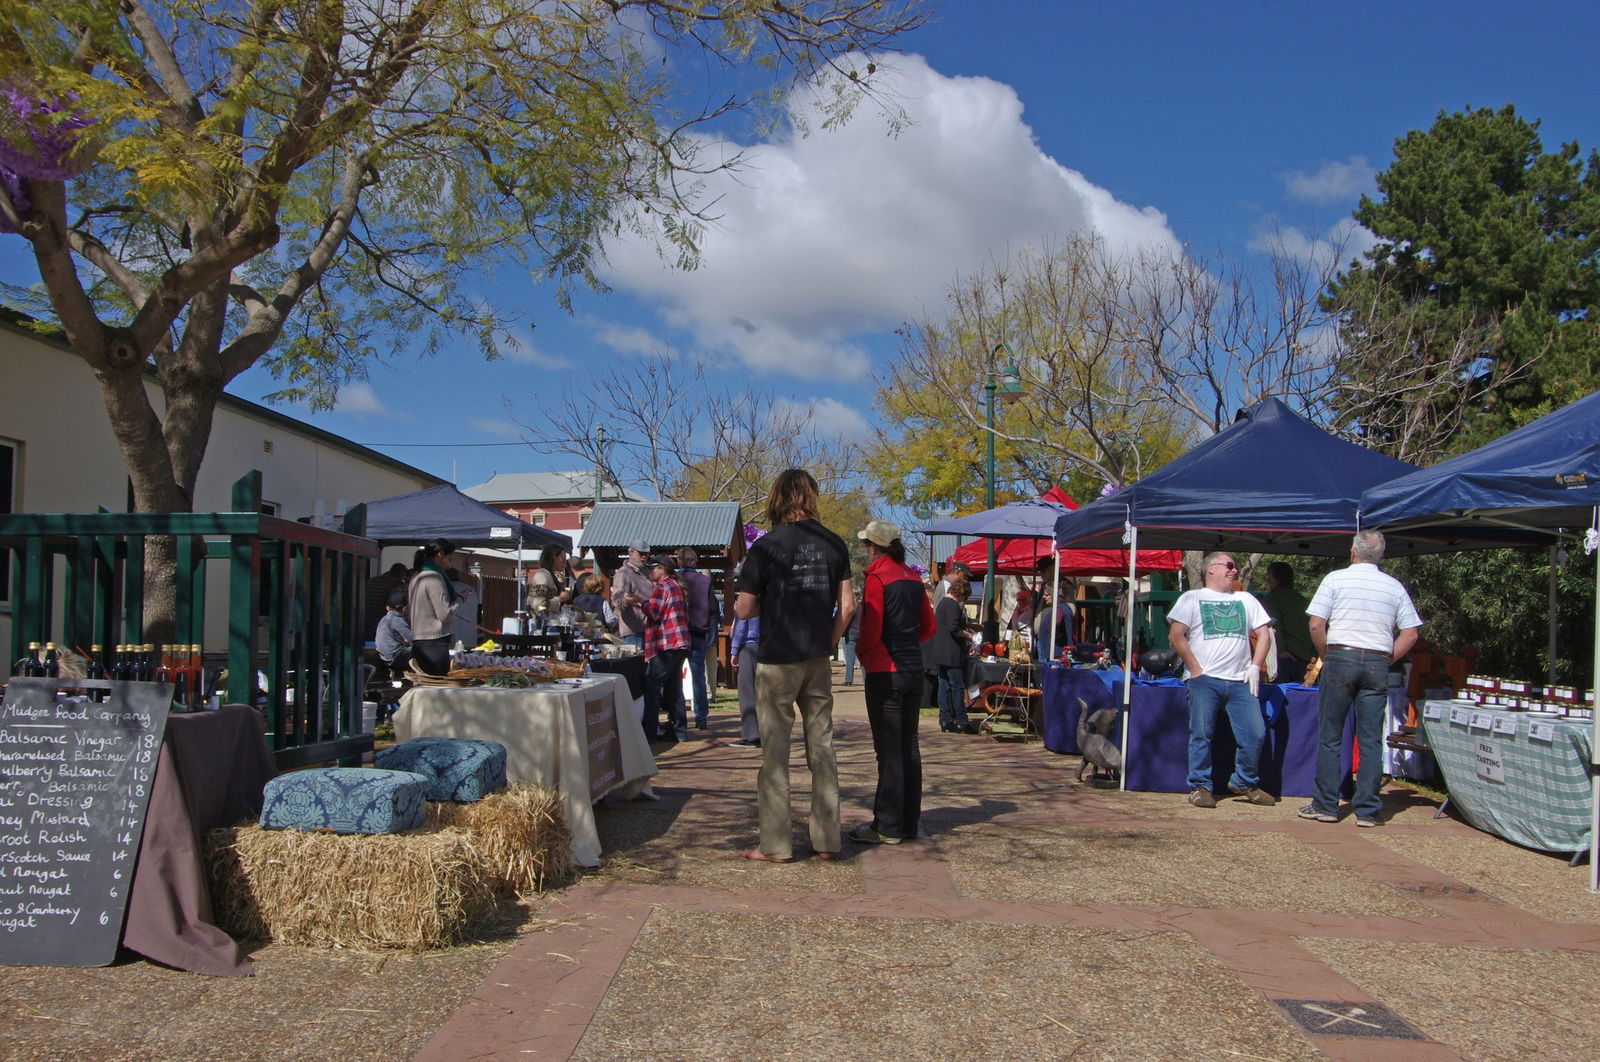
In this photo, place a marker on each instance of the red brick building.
(561, 501)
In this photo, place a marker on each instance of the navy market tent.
(1271, 482)
(1544, 476)
(444, 512)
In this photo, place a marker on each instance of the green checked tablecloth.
(1522, 776)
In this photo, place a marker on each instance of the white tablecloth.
(547, 737)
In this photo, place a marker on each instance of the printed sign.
(1488, 761)
(1480, 720)
(604, 746)
(1505, 724)
(1460, 716)
(1542, 731)
(1432, 710)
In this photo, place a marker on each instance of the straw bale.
(521, 831)
(425, 888)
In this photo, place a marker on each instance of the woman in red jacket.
(895, 620)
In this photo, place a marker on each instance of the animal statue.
(1094, 739)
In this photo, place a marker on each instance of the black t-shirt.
(795, 572)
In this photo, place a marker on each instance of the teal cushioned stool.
(345, 800)
(462, 769)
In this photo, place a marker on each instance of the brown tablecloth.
(211, 771)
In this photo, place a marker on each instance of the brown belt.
(1353, 649)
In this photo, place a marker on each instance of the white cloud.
(822, 237)
(359, 398)
(1332, 182)
(502, 428)
(1334, 247)
(828, 417)
(515, 348)
(625, 339)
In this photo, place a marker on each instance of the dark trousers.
(1351, 681)
(432, 655)
(400, 664)
(663, 691)
(894, 703)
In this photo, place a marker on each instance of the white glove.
(1252, 675)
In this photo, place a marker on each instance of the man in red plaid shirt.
(666, 647)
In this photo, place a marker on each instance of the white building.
(57, 453)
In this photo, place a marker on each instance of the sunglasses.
(1232, 567)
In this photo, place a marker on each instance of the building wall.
(67, 459)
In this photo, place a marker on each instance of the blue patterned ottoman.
(461, 769)
(345, 800)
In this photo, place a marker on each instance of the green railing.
(296, 604)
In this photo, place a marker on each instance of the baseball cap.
(879, 533)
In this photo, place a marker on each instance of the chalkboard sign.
(77, 757)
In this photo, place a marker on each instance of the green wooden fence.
(296, 605)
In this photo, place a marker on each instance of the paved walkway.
(1039, 918)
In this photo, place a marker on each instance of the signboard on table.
(602, 741)
(77, 758)
(1489, 761)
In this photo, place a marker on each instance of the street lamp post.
(1011, 388)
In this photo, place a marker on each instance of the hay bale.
(422, 889)
(521, 831)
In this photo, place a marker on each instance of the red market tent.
(1023, 556)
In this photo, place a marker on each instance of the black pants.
(663, 690)
(894, 704)
(432, 655)
(399, 665)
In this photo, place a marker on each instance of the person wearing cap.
(797, 579)
(432, 601)
(666, 646)
(896, 618)
(630, 580)
(393, 639)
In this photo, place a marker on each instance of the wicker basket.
(474, 676)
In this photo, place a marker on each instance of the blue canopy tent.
(444, 512)
(1542, 479)
(1271, 482)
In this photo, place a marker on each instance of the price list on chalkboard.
(77, 758)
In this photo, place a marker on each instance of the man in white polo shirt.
(1361, 622)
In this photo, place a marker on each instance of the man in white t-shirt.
(1362, 621)
(1210, 629)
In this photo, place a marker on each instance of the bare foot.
(762, 857)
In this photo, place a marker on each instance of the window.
(8, 496)
(536, 517)
(584, 514)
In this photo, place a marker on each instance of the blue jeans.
(953, 696)
(1207, 697)
(849, 660)
(635, 640)
(1358, 680)
(697, 675)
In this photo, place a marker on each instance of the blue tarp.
(1543, 475)
(1270, 482)
(1033, 518)
(444, 512)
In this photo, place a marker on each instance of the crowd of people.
(795, 604)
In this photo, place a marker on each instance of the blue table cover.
(1157, 756)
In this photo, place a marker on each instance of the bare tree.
(671, 432)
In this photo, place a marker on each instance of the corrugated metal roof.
(543, 486)
(665, 525)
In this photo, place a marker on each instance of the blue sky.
(1207, 125)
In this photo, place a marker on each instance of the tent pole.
(1594, 736)
(1055, 603)
(1127, 670)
